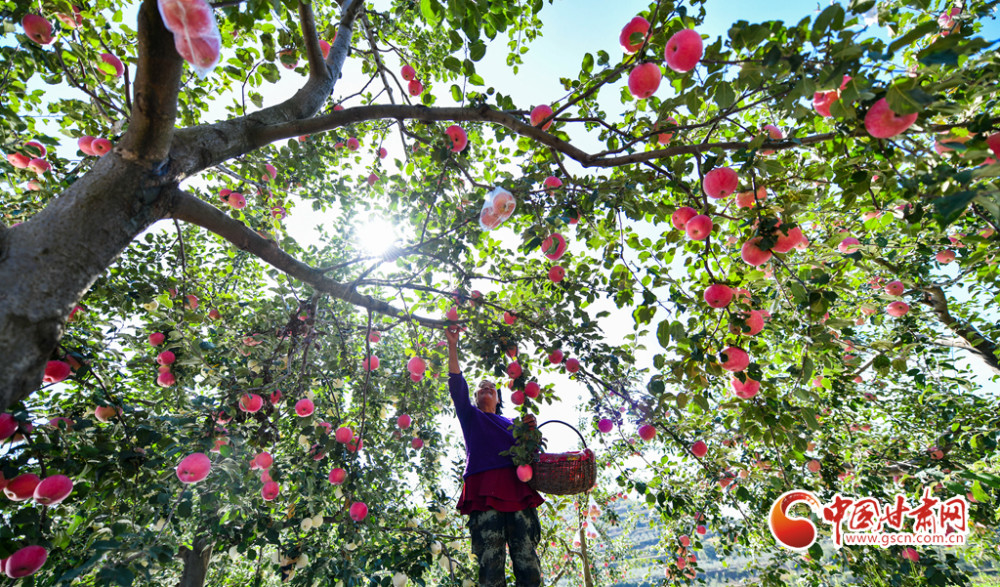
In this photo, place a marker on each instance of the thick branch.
(199, 147)
(196, 561)
(188, 208)
(316, 65)
(157, 83)
(978, 344)
(484, 114)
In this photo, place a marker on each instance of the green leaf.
(833, 13)
(903, 101)
(452, 64)
(979, 493)
(949, 208)
(925, 28)
(588, 63)
(663, 333)
(724, 95)
(431, 11)
(477, 50)
(456, 93)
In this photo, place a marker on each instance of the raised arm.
(452, 334)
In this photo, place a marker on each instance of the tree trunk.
(50, 261)
(196, 562)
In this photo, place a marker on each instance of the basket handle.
(573, 428)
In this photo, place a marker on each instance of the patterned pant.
(492, 532)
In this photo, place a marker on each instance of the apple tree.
(798, 221)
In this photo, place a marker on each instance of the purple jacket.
(486, 435)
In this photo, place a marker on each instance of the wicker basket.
(565, 473)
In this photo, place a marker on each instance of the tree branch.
(186, 207)
(157, 84)
(975, 342)
(317, 67)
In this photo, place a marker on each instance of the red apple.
(993, 142)
(459, 140)
(525, 473)
(644, 80)
(304, 407)
(882, 123)
(270, 490)
(554, 246)
(56, 371)
(752, 254)
(194, 467)
(556, 274)
(157, 338)
(358, 511)
(25, 562)
(572, 365)
(416, 366)
(415, 88)
(848, 245)
(814, 466)
(910, 554)
(514, 370)
(417, 443)
(735, 359)
(408, 73)
(605, 425)
(8, 426)
(556, 357)
(823, 100)
(165, 378)
(100, 147)
(22, 487)
(114, 62)
(944, 257)
(353, 144)
(105, 413)
(52, 490)
(337, 476)
(681, 216)
(325, 48)
(532, 389)
(683, 51)
(787, 240)
(509, 318)
(720, 182)
(636, 29)
(894, 288)
(18, 160)
(551, 182)
(540, 113)
(698, 227)
(747, 389)
(37, 28)
(897, 309)
(344, 435)
(263, 461)
(39, 166)
(370, 363)
(165, 358)
(251, 402)
(718, 295)
(404, 421)
(699, 449)
(517, 398)
(747, 199)
(647, 432)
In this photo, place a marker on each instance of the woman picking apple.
(501, 508)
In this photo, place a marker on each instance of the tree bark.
(50, 261)
(196, 561)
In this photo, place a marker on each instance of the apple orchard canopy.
(738, 238)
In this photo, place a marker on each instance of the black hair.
(499, 407)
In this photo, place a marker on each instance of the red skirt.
(497, 489)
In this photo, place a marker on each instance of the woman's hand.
(451, 333)
(529, 420)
